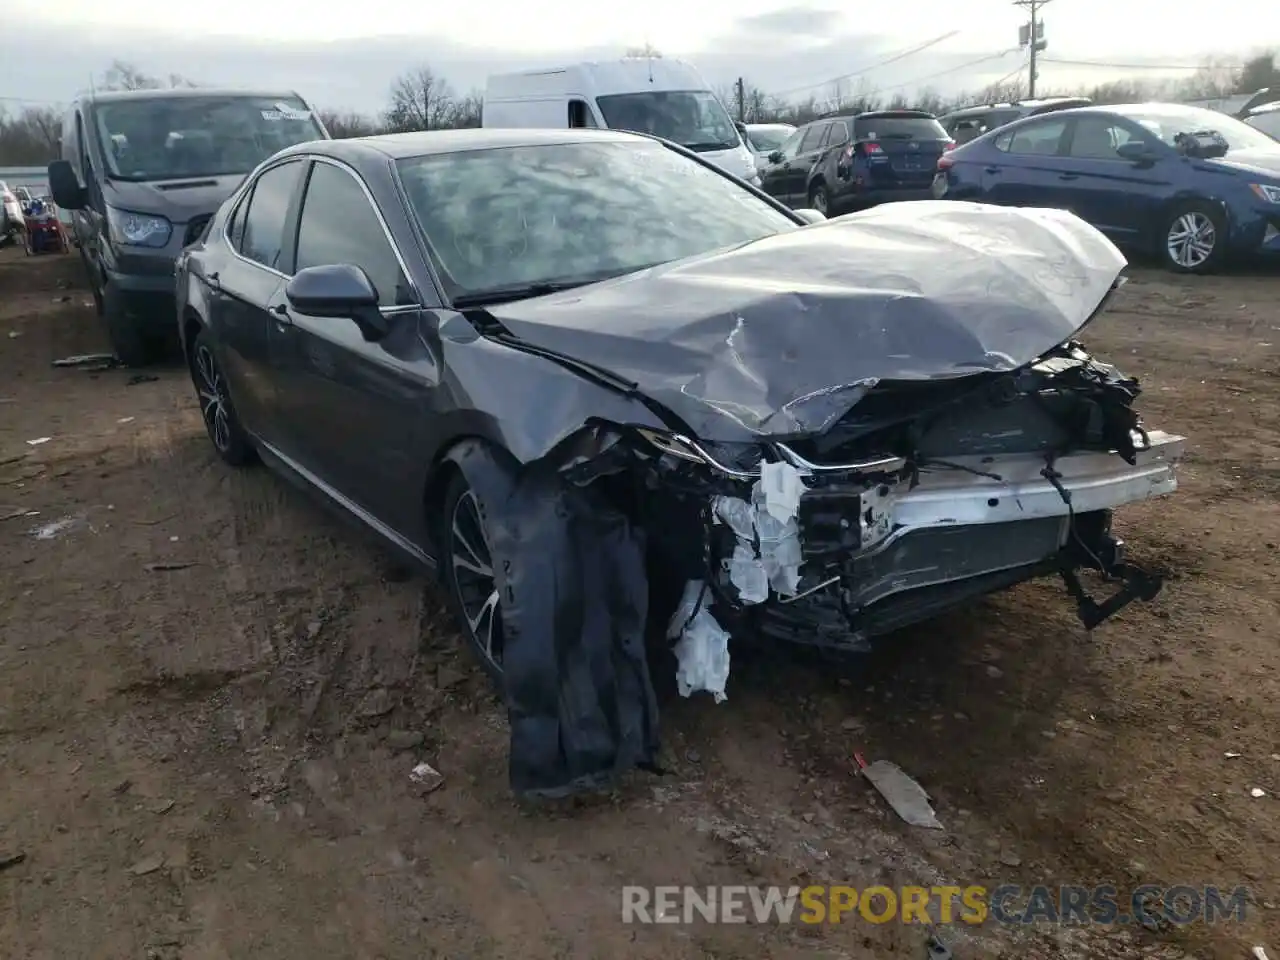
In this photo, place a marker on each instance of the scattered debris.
(908, 799)
(174, 565)
(8, 860)
(13, 459)
(57, 528)
(377, 702)
(152, 523)
(426, 777)
(125, 420)
(84, 359)
(147, 865)
(38, 440)
(18, 513)
(123, 786)
(1257, 792)
(162, 807)
(1231, 754)
(693, 756)
(138, 378)
(935, 949)
(1010, 859)
(1259, 953)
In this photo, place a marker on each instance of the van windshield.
(692, 118)
(165, 138)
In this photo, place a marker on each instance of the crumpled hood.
(782, 336)
(176, 200)
(1262, 161)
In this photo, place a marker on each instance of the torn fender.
(782, 336)
(575, 597)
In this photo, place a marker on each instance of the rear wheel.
(467, 566)
(219, 416)
(819, 199)
(1194, 238)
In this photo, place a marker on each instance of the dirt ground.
(213, 762)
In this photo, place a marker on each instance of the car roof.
(770, 126)
(178, 93)
(397, 146)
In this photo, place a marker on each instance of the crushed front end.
(922, 497)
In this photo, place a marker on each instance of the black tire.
(819, 199)
(128, 343)
(219, 416)
(1192, 219)
(463, 542)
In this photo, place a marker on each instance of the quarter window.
(339, 225)
(262, 232)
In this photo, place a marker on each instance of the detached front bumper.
(972, 527)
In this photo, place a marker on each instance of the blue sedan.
(1193, 186)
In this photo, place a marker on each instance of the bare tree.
(646, 50)
(420, 100)
(342, 126)
(467, 110)
(1258, 72)
(31, 137)
(122, 75)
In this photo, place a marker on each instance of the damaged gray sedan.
(610, 392)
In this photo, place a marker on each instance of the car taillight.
(872, 148)
(945, 162)
(949, 145)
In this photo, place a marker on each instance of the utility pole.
(741, 89)
(1031, 35)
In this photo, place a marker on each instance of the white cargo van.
(667, 98)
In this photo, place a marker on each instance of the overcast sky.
(345, 55)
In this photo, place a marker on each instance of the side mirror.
(65, 186)
(742, 128)
(341, 291)
(809, 215)
(1135, 151)
(775, 156)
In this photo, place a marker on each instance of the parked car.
(971, 122)
(1191, 185)
(839, 164)
(143, 172)
(764, 138)
(1265, 118)
(598, 384)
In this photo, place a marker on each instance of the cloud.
(792, 21)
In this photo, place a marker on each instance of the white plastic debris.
(38, 440)
(782, 489)
(779, 545)
(908, 798)
(1257, 792)
(1259, 953)
(702, 650)
(1231, 755)
(426, 777)
(748, 574)
(51, 531)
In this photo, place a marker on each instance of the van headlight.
(138, 229)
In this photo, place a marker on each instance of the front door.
(356, 406)
(1119, 197)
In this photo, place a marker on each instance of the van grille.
(195, 229)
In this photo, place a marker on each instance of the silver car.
(764, 138)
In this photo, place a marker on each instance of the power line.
(1008, 76)
(1121, 66)
(942, 73)
(892, 58)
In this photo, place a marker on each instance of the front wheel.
(1194, 238)
(466, 562)
(819, 200)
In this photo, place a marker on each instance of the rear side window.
(812, 137)
(339, 225)
(889, 127)
(1034, 139)
(262, 233)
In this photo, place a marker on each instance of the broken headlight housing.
(740, 460)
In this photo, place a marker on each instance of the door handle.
(281, 313)
(212, 280)
(1068, 176)
(991, 170)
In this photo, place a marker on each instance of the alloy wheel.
(820, 201)
(1191, 240)
(213, 399)
(471, 563)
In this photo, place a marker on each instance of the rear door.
(774, 176)
(244, 289)
(1026, 165)
(797, 176)
(900, 149)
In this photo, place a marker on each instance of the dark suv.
(969, 123)
(143, 172)
(844, 163)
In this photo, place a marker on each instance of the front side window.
(515, 217)
(768, 139)
(339, 225)
(168, 138)
(262, 230)
(791, 146)
(695, 119)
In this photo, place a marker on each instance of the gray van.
(143, 172)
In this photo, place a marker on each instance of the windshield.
(1167, 122)
(170, 137)
(691, 118)
(1268, 123)
(768, 139)
(515, 217)
(889, 127)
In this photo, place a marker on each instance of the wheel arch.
(449, 463)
